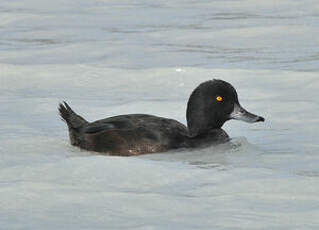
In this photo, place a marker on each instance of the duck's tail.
(74, 122)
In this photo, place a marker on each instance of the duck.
(210, 105)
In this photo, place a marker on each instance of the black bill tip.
(260, 119)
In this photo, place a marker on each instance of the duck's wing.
(98, 127)
(122, 122)
(158, 125)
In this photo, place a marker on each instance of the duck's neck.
(199, 124)
(214, 136)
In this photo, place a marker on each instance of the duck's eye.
(219, 98)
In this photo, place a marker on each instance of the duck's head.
(213, 103)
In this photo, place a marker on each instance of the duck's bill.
(239, 113)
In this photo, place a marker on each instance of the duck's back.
(133, 134)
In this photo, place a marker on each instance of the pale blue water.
(115, 57)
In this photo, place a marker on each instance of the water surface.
(114, 57)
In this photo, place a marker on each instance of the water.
(115, 57)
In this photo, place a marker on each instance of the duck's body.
(136, 134)
(133, 134)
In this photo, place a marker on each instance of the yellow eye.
(219, 98)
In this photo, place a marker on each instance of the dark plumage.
(210, 105)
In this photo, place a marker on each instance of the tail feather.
(74, 122)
